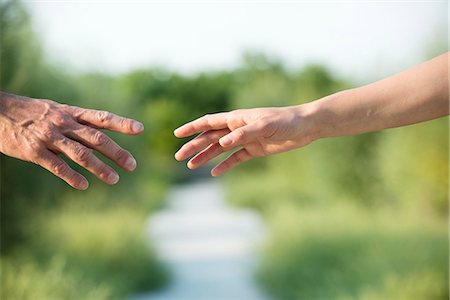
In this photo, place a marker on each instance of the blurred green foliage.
(344, 252)
(58, 243)
(362, 217)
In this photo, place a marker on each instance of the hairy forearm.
(412, 96)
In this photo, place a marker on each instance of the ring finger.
(83, 156)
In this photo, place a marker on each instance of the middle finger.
(200, 142)
(95, 139)
(85, 158)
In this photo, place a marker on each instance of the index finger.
(205, 123)
(107, 120)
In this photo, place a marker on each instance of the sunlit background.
(361, 217)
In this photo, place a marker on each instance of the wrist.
(313, 118)
(323, 118)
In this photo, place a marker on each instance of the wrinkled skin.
(39, 131)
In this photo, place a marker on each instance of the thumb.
(241, 135)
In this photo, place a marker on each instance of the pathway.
(209, 247)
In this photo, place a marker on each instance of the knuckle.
(35, 150)
(237, 159)
(82, 153)
(76, 111)
(49, 133)
(122, 154)
(209, 121)
(226, 164)
(126, 124)
(99, 139)
(239, 134)
(35, 146)
(61, 120)
(265, 125)
(103, 116)
(59, 167)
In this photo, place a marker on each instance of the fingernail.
(225, 141)
(137, 126)
(130, 164)
(83, 184)
(113, 178)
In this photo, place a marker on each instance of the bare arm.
(412, 96)
(38, 131)
(415, 95)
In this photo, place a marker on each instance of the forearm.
(412, 96)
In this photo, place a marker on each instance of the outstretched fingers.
(232, 161)
(107, 120)
(99, 141)
(200, 143)
(243, 135)
(205, 123)
(56, 165)
(206, 155)
(85, 157)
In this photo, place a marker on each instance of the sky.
(355, 39)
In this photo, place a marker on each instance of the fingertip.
(112, 178)
(130, 164)
(180, 132)
(137, 127)
(83, 185)
(190, 165)
(178, 156)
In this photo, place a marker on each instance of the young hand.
(252, 132)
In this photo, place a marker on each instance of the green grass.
(91, 248)
(353, 253)
(22, 279)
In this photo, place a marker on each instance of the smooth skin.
(412, 96)
(39, 131)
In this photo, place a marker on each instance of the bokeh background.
(362, 217)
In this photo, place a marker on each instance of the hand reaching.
(415, 95)
(252, 132)
(39, 130)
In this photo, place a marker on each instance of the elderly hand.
(254, 132)
(38, 131)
